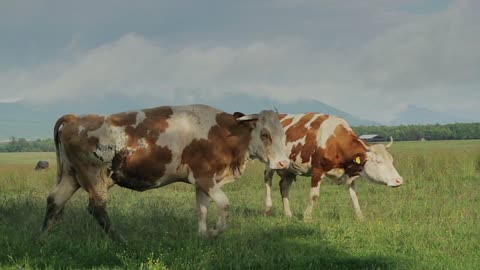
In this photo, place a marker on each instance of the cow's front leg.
(285, 184)
(268, 175)
(352, 189)
(317, 176)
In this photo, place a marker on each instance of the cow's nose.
(283, 164)
(399, 181)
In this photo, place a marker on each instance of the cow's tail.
(56, 139)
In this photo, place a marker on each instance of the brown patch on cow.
(122, 119)
(310, 145)
(74, 131)
(341, 148)
(140, 169)
(281, 116)
(145, 164)
(341, 151)
(298, 130)
(295, 151)
(317, 173)
(225, 149)
(286, 122)
(155, 122)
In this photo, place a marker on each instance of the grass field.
(432, 222)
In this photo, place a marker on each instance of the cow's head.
(379, 165)
(267, 138)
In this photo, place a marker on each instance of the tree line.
(459, 131)
(22, 145)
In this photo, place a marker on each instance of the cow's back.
(152, 147)
(320, 140)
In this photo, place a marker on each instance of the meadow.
(431, 222)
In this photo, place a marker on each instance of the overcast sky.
(370, 58)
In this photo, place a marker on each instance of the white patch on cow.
(327, 129)
(191, 178)
(110, 137)
(315, 116)
(142, 143)
(139, 118)
(225, 177)
(298, 159)
(336, 173)
(291, 145)
(296, 118)
(287, 117)
(184, 126)
(80, 129)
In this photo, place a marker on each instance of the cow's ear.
(248, 117)
(238, 114)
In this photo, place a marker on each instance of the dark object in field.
(41, 165)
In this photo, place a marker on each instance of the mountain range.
(24, 120)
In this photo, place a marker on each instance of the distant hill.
(421, 116)
(28, 121)
(249, 104)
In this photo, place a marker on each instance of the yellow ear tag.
(357, 160)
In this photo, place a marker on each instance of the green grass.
(432, 222)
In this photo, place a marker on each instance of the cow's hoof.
(268, 213)
(213, 233)
(41, 238)
(361, 218)
(210, 234)
(307, 219)
(117, 237)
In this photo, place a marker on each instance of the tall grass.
(432, 222)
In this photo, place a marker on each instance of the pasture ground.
(432, 222)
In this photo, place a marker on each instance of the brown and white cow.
(150, 148)
(325, 146)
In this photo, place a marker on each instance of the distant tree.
(457, 131)
(22, 145)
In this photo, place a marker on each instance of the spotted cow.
(321, 146)
(146, 149)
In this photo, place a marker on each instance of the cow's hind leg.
(219, 197)
(97, 184)
(352, 189)
(317, 176)
(97, 207)
(286, 181)
(63, 191)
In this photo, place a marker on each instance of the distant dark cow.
(325, 146)
(150, 148)
(41, 165)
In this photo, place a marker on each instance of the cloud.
(371, 59)
(135, 65)
(436, 50)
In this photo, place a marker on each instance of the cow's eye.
(265, 136)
